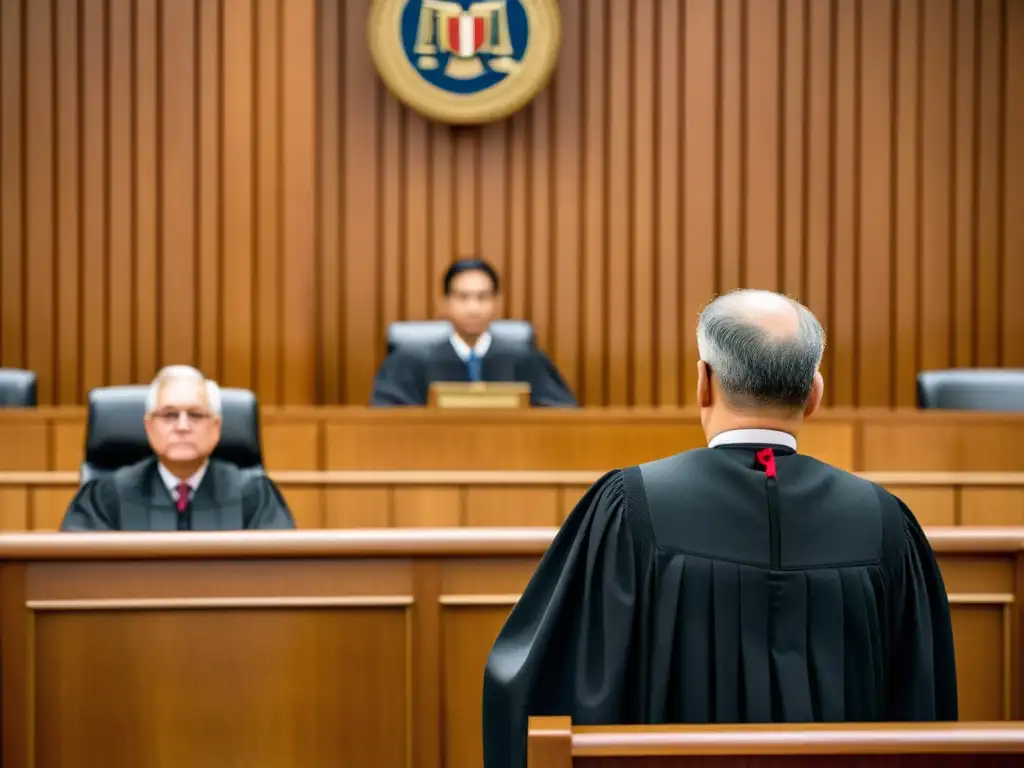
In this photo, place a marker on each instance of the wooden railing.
(554, 742)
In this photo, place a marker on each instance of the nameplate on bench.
(490, 395)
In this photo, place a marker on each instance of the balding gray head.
(763, 348)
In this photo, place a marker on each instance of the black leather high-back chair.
(971, 389)
(17, 388)
(424, 333)
(116, 433)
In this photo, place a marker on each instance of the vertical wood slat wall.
(227, 183)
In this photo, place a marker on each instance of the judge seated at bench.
(470, 352)
(745, 582)
(179, 487)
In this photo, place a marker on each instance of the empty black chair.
(17, 388)
(971, 389)
(116, 434)
(424, 333)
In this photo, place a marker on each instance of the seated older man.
(180, 487)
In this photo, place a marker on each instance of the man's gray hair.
(187, 373)
(755, 367)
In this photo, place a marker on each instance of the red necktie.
(183, 491)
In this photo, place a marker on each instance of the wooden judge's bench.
(546, 439)
(491, 466)
(347, 648)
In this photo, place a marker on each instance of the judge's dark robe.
(135, 498)
(674, 593)
(406, 374)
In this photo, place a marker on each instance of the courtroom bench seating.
(586, 439)
(330, 647)
(554, 742)
(37, 500)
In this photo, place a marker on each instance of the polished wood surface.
(229, 184)
(554, 742)
(587, 439)
(328, 647)
(365, 499)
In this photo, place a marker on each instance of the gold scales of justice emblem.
(465, 62)
(464, 33)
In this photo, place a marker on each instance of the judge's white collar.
(173, 482)
(753, 436)
(462, 348)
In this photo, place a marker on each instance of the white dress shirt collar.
(172, 482)
(753, 436)
(462, 348)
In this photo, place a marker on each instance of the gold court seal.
(474, 61)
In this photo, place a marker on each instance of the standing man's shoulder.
(898, 523)
(696, 464)
(892, 508)
(901, 526)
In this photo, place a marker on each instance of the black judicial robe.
(406, 374)
(135, 498)
(676, 592)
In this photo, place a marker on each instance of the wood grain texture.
(348, 500)
(228, 184)
(404, 619)
(754, 746)
(542, 439)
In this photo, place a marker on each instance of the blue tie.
(475, 366)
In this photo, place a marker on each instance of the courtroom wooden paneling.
(38, 500)
(587, 439)
(361, 648)
(554, 742)
(228, 183)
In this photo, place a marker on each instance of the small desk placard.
(488, 395)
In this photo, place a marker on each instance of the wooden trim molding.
(222, 603)
(525, 478)
(379, 542)
(963, 598)
(1008, 659)
(475, 601)
(832, 739)
(1006, 601)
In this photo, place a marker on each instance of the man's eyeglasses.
(171, 417)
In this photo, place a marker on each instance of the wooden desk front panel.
(354, 661)
(333, 438)
(259, 664)
(985, 603)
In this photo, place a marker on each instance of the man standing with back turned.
(739, 583)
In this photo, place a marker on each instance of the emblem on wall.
(465, 62)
